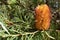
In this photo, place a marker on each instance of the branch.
(26, 33)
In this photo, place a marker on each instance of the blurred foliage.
(18, 18)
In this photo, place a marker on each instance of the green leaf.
(11, 1)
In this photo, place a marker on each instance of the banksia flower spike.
(43, 17)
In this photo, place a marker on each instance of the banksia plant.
(24, 20)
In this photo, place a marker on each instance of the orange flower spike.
(43, 17)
